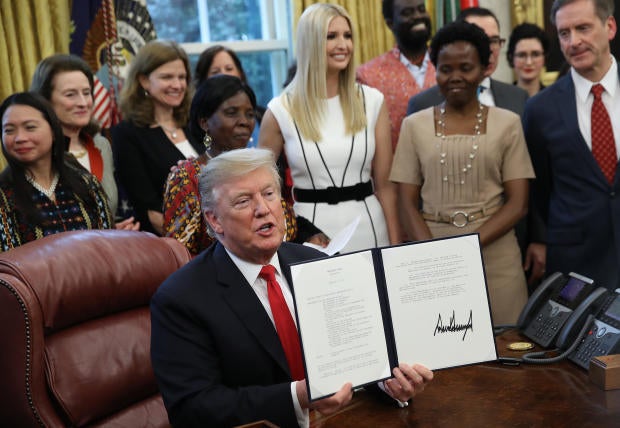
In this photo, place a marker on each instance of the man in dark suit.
(217, 357)
(495, 93)
(577, 191)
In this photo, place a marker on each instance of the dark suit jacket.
(215, 352)
(506, 96)
(581, 208)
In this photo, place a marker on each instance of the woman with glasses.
(527, 47)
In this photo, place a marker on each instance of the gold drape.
(373, 36)
(30, 30)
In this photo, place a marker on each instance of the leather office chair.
(75, 329)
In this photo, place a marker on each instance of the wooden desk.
(492, 395)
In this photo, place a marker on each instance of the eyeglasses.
(523, 56)
(497, 41)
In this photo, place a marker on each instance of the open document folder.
(362, 313)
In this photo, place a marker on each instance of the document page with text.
(438, 302)
(340, 322)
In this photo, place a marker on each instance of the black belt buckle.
(332, 195)
(361, 191)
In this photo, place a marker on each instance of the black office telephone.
(583, 336)
(555, 300)
(602, 335)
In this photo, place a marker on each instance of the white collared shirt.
(418, 73)
(250, 272)
(611, 100)
(486, 96)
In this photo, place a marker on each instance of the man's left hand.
(408, 381)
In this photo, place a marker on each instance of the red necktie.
(285, 326)
(603, 144)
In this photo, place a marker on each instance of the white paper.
(339, 240)
(340, 322)
(438, 301)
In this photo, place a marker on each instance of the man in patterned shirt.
(406, 69)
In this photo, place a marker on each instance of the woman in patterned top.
(222, 116)
(41, 192)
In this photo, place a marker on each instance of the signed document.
(362, 313)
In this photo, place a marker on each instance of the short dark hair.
(604, 8)
(206, 59)
(387, 7)
(212, 92)
(477, 11)
(458, 31)
(526, 31)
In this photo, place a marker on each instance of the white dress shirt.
(418, 73)
(486, 97)
(611, 100)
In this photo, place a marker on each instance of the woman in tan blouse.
(467, 165)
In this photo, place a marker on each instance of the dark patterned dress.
(67, 212)
(183, 219)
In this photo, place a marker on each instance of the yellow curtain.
(373, 36)
(30, 30)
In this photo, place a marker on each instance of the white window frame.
(277, 30)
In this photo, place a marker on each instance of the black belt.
(332, 195)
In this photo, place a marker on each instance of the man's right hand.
(328, 405)
(535, 262)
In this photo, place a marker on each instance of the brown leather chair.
(75, 329)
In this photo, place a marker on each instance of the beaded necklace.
(47, 192)
(462, 170)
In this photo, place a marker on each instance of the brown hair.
(135, 104)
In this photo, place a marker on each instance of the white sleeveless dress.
(339, 159)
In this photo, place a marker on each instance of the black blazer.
(142, 160)
(215, 352)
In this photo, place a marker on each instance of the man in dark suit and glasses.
(217, 357)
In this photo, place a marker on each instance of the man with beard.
(406, 69)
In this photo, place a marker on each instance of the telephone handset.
(551, 305)
(602, 336)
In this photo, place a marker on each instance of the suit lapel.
(242, 300)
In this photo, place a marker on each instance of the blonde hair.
(135, 104)
(305, 97)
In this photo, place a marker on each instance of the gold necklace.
(79, 154)
(49, 192)
(463, 170)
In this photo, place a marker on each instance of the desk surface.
(492, 394)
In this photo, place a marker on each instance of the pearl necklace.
(171, 131)
(47, 192)
(443, 156)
